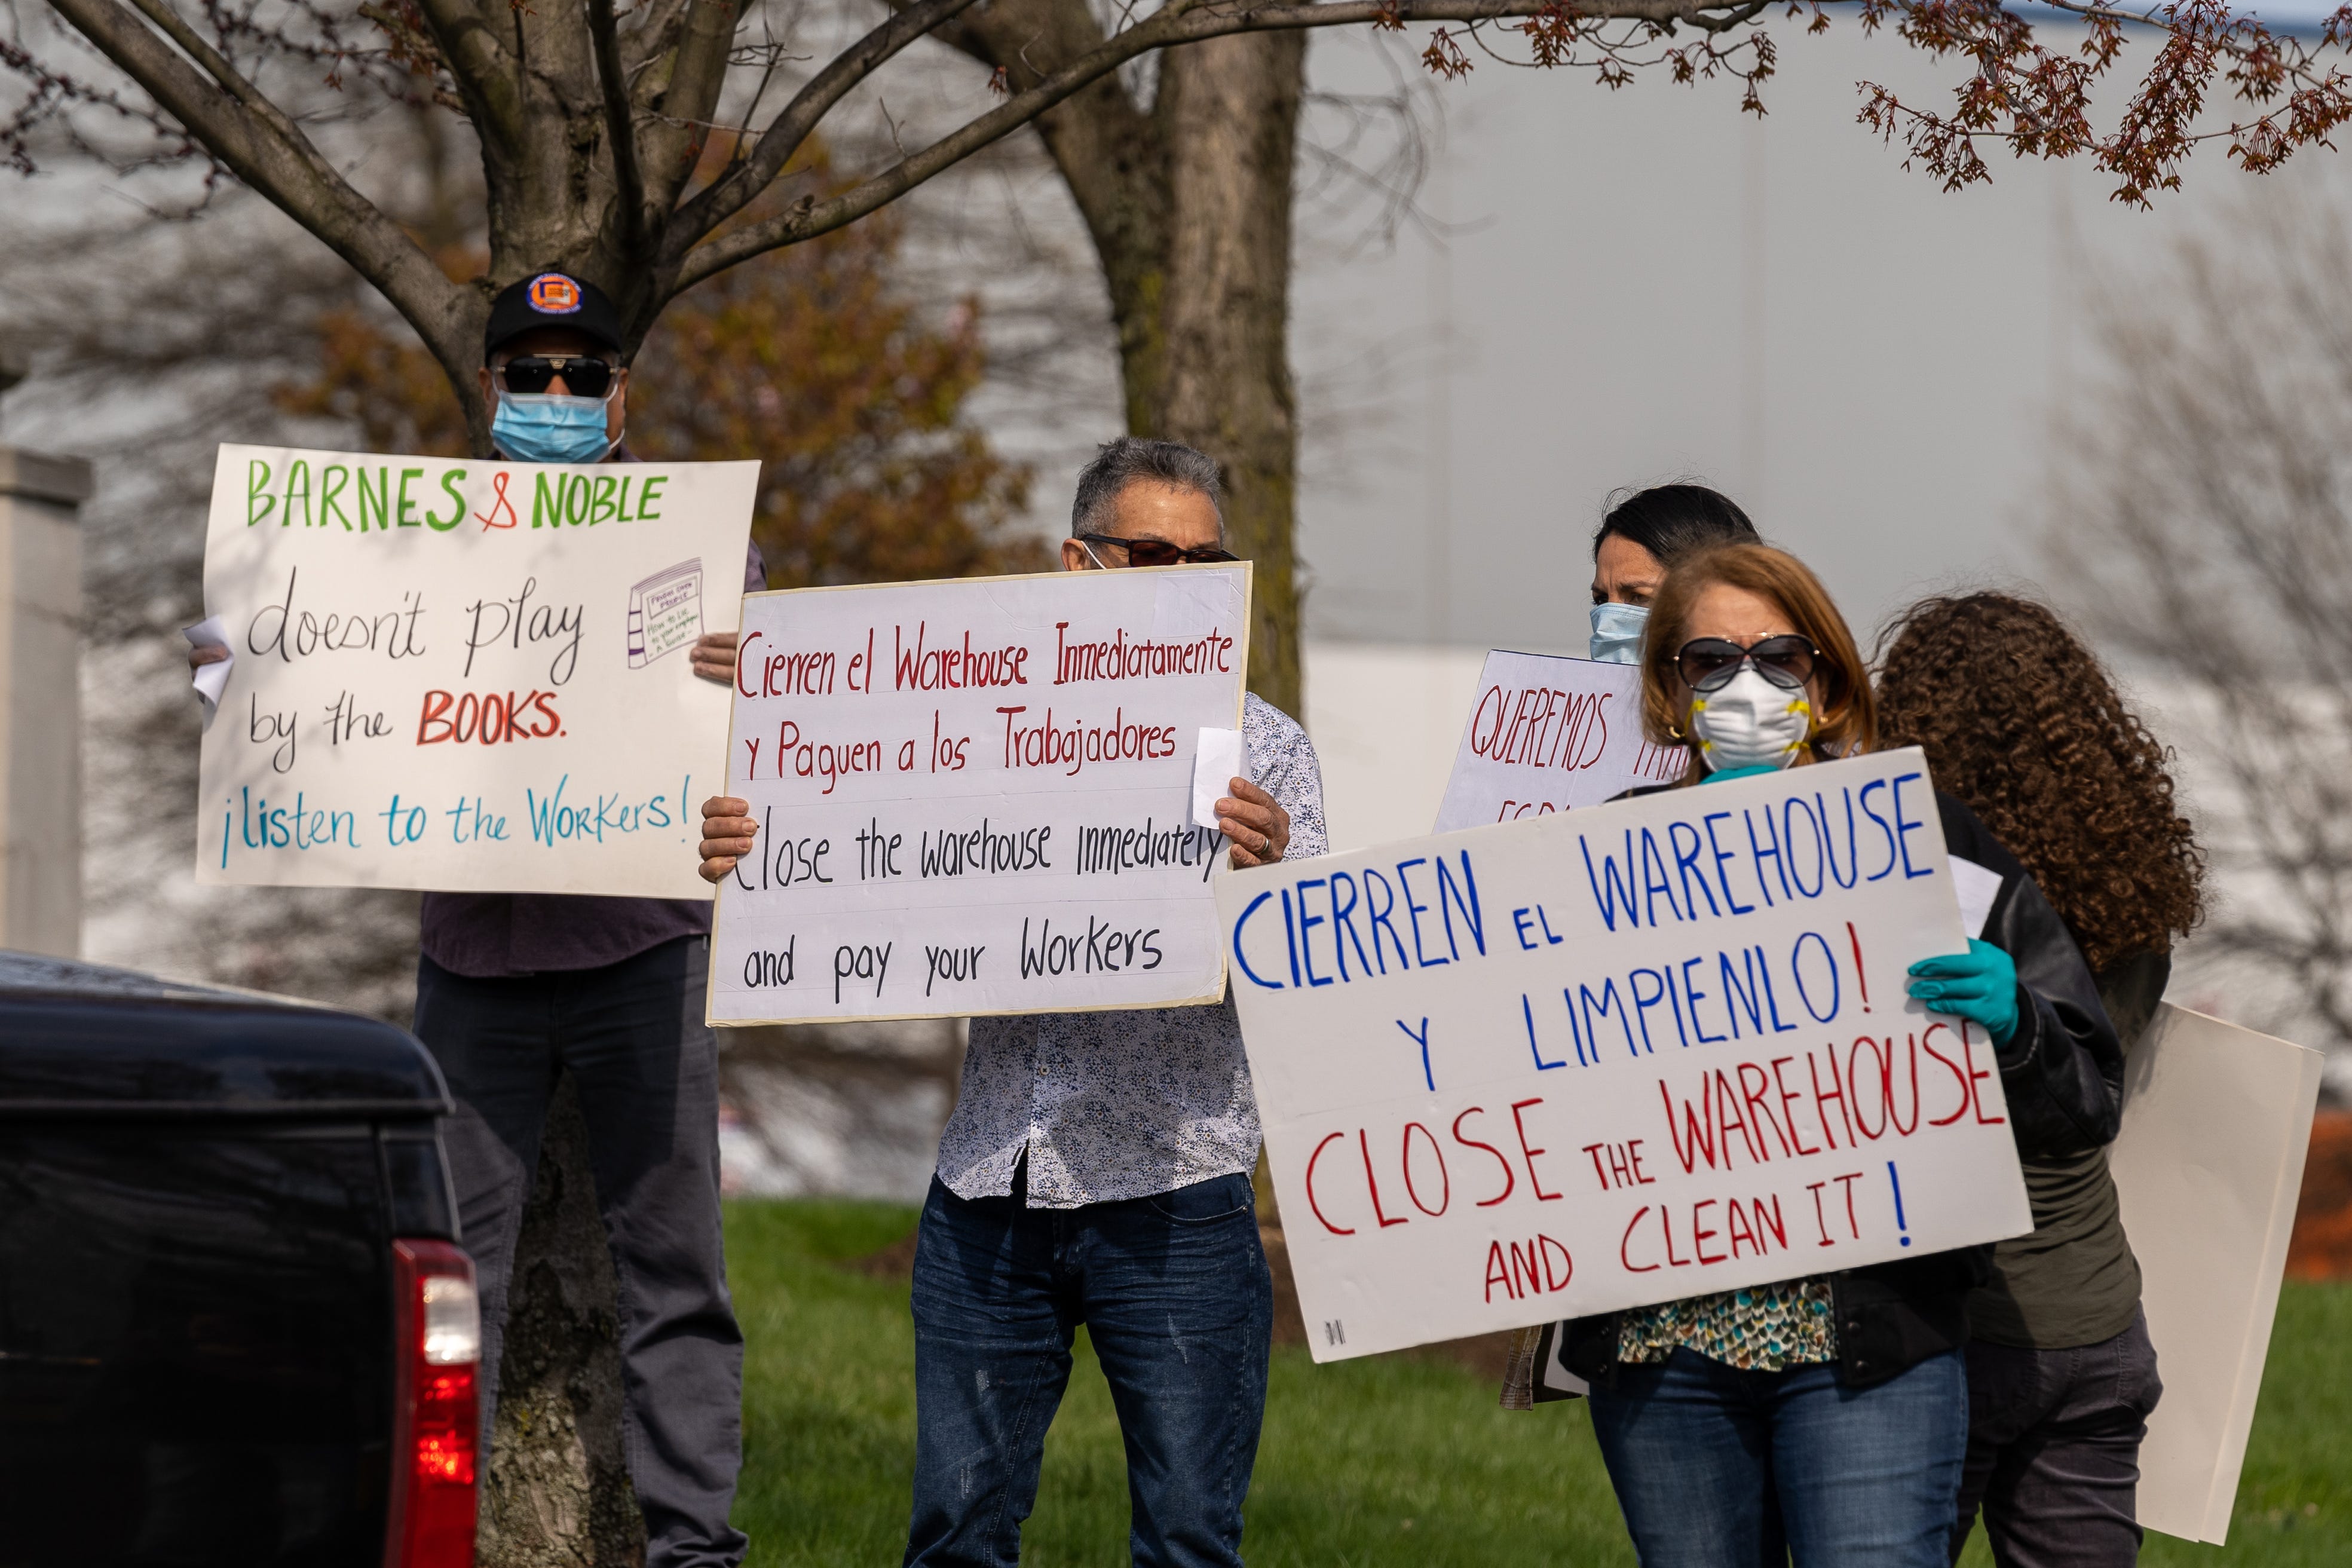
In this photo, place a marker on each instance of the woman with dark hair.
(2019, 720)
(1824, 1419)
(1644, 533)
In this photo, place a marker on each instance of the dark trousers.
(2054, 1450)
(647, 1073)
(1174, 1293)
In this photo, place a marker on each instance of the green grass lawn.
(1387, 1461)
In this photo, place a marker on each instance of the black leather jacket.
(2062, 1074)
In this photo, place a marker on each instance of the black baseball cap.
(552, 300)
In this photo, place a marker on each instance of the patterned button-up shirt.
(1124, 1104)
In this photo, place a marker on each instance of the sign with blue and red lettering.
(1637, 1052)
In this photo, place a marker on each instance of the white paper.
(1215, 764)
(1579, 1062)
(459, 674)
(1549, 734)
(975, 796)
(1978, 886)
(210, 680)
(1553, 1374)
(2217, 1121)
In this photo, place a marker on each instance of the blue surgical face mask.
(1617, 633)
(548, 428)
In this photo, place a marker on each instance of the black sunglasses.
(1707, 664)
(584, 375)
(1158, 552)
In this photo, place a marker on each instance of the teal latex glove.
(1740, 772)
(1979, 985)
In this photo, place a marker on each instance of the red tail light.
(437, 1331)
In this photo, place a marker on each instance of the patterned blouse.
(1124, 1104)
(1765, 1329)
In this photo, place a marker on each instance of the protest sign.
(465, 674)
(2207, 1167)
(976, 796)
(1548, 734)
(1633, 1053)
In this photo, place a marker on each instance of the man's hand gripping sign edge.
(1624, 1055)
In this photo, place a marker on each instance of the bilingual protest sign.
(466, 674)
(976, 796)
(1624, 1055)
(1548, 734)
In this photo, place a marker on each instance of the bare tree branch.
(217, 67)
(480, 65)
(620, 124)
(2204, 522)
(737, 188)
(1179, 22)
(270, 153)
(698, 73)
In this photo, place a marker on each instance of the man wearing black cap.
(513, 987)
(553, 376)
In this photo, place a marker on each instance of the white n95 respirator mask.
(1749, 722)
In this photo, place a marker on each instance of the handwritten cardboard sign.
(975, 796)
(464, 674)
(1625, 1055)
(1548, 734)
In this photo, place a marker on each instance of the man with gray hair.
(1096, 1170)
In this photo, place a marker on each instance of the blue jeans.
(1174, 1293)
(1720, 1468)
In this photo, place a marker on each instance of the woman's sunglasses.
(1707, 664)
(583, 376)
(1158, 552)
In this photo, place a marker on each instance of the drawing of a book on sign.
(664, 613)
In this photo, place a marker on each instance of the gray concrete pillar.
(40, 702)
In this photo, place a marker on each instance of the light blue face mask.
(1617, 633)
(548, 428)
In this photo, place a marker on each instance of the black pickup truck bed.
(234, 1324)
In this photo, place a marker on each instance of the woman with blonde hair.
(1823, 1419)
(2018, 718)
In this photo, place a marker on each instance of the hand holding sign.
(1626, 1055)
(950, 798)
(1979, 984)
(1253, 822)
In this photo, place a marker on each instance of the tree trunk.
(1189, 208)
(557, 1493)
(1229, 109)
(1188, 205)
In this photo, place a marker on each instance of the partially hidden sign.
(1550, 734)
(975, 796)
(1644, 1051)
(464, 674)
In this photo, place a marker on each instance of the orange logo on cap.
(553, 294)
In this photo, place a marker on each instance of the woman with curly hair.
(2018, 718)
